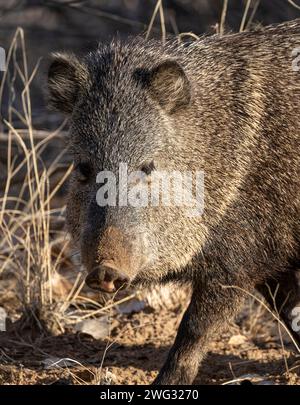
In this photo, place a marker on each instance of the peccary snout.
(107, 279)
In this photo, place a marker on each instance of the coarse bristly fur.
(228, 106)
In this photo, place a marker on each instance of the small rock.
(131, 306)
(97, 328)
(237, 340)
(108, 379)
(56, 362)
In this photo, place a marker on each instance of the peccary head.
(126, 104)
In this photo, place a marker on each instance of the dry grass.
(27, 242)
(31, 248)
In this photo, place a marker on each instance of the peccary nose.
(106, 279)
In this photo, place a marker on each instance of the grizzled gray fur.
(229, 106)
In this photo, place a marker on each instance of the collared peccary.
(228, 106)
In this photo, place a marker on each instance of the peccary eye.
(84, 171)
(148, 168)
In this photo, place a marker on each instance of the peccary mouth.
(106, 279)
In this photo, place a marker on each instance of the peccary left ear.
(170, 86)
(66, 76)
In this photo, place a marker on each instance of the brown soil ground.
(136, 349)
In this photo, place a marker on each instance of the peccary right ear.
(169, 85)
(66, 75)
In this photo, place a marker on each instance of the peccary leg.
(283, 295)
(210, 308)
